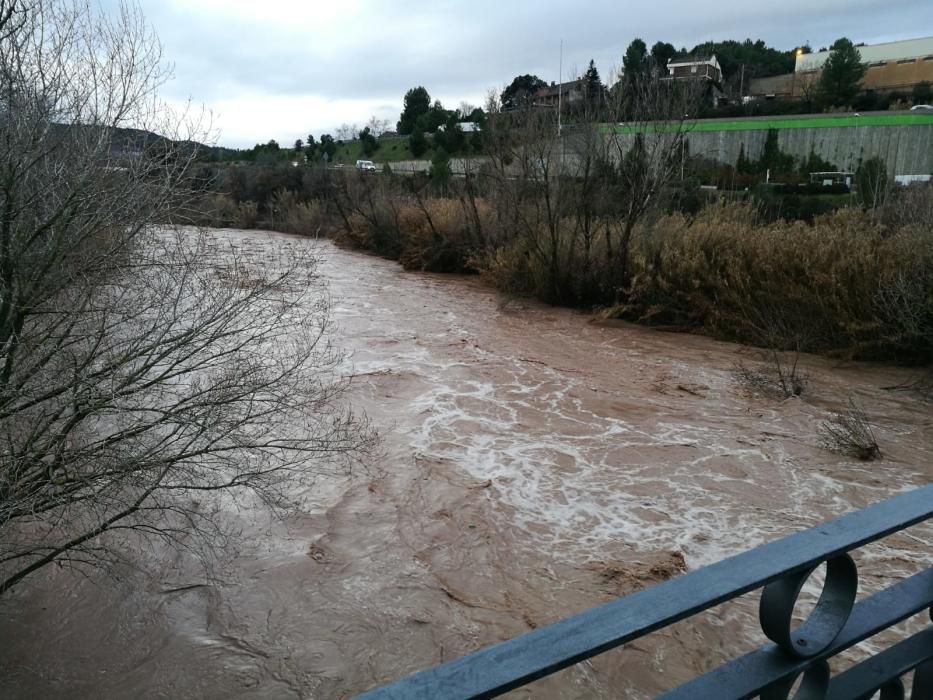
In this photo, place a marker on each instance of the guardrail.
(836, 623)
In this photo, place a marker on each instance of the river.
(534, 463)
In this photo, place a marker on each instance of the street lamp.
(793, 79)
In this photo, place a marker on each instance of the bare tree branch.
(140, 363)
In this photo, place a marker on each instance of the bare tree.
(575, 199)
(377, 127)
(466, 109)
(648, 146)
(806, 85)
(143, 367)
(347, 132)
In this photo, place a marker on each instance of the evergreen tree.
(839, 81)
(593, 86)
(434, 117)
(661, 53)
(758, 59)
(453, 133)
(743, 164)
(773, 158)
(772, 149)
(813, 163)
(417, 103)
(369, 144)
(521, 90)
(417, 142)
(476, 142)
(440, 167)
(328, 146)
(635, 60)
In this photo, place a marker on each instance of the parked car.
(365, 165)
(922, 108)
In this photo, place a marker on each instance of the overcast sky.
(284, 68)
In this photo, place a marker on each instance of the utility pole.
(560, 84)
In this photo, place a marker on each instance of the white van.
(365, 165)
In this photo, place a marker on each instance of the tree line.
(430, 126)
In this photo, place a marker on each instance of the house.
(694, 68)
(566, 93)
(704, 70)
(892, 66)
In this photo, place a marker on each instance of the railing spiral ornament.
(813, 686)
(813, 635)
(798, 655)
(923, 681)
(892, 690)
(776, 609)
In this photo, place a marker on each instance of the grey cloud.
(459, 48)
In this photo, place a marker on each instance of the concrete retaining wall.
(907, 150)
(904, 140)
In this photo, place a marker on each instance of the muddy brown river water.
(534, 463)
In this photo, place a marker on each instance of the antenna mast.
(560, 84)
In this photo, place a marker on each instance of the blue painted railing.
(836, 623)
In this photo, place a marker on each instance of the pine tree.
(743, 165)
(635, 60)
(521, 91)
(368, 142)
(417, 103)
(661, 53)
(417, 142)
(592, 85)
(839, 81)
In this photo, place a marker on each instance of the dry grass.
(846, 285)
(291, 215)
(435, 234)
(221, 210)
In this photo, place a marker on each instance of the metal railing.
(836, 623)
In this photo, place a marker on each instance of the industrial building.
(895, 66)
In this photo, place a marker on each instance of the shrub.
(846, 285)
(871, 181)
(291, 215)
(779, 375)
(850, 433)
(853, 284)
(247, 215)
(439, 236)
(221, 210)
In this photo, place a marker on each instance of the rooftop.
(889, 51)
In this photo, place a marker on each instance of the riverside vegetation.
(623, 237)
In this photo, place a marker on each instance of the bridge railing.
(780, 568)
